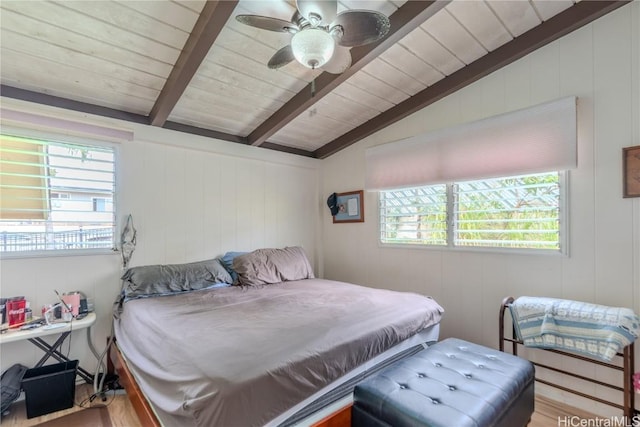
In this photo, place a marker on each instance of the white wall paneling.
(194, 198)
(191, 198)
(600, 65)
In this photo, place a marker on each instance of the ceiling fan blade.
(267, 23)
(361, 27)
(281, 57)
(339, 62)
(318, 12)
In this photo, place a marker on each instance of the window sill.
(477, 250)
(58, 253)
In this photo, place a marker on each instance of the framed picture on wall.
(350, 207)
(631, 171)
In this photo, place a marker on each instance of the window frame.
(72, 139)
(563, 219)
(99, 204)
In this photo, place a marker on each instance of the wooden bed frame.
(626, 365)
(141, 405)
(144, 411)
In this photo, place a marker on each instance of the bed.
(261, 351)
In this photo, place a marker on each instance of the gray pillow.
(266, 266)
(150, 280)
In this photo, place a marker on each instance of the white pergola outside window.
(520, 212)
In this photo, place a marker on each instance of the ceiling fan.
(321, 36)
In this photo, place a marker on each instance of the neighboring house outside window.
(55, 195)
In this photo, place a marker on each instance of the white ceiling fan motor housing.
(313, 47)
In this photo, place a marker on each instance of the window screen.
(55, 195)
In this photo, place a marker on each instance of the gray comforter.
(240, 356)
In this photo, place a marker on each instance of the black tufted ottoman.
(453, 383)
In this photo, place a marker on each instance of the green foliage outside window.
(513, 212)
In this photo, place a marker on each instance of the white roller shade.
(536, 139)
(70, 127)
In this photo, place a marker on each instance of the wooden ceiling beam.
(210, 23)
(404, 20)
(70, 104)
(558, 26)
(194, 130)
(98, 110)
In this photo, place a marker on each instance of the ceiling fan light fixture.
(314, 19)
(312, 47)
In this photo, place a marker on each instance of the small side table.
(51, 350)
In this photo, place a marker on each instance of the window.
(99, 204)
(55, 195)
(414, 216)
(519, 212)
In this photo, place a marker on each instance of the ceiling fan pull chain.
(313, 87)
(318, 31)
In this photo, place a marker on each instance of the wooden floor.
(122, 414)
(548, 412)
(120, 410)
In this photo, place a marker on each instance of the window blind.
(414, 216)
(514, 212)
(536, 139)
(517, 212)
(55, 195)
(24, 188)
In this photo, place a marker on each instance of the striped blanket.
(593, 330)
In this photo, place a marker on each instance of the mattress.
(339, 393)
(243, 356)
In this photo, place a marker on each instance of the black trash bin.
(50, 388)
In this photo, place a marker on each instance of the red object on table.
(15, 312)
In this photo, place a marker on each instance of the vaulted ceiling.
(190, 66)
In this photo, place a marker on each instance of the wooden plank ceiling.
(190, 66)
